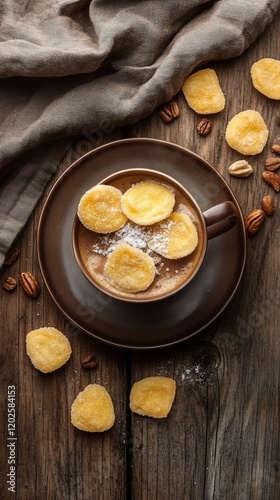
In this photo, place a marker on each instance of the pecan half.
(30, 284)
(275, 148)
(240, 168)
(204, 126)
(89, 362)
(11, 257)
(254, 220)
(169, 111)
(272, 163)
(268, 204)
(10, 284)
(272, 179)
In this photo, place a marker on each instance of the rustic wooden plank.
(55, 460)
(221, 439)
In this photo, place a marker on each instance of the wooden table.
(221, 439)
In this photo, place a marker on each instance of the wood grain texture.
(221, 439)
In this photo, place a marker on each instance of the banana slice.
(203, 92)
(265, 75)
(247, 132)
(100, 209)
(130, 269)
(153, 396)
(147, 202)
(93, 410)
(173, 238)
(47, 348)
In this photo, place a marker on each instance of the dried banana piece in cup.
(153, 396)
(265, 75)
(93, 409)
(147, 202)
(247, 132)
(130, 269)
(100, 209)
(173, 238)
(203, 92)
(48, 348)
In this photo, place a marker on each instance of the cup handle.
(220, 218)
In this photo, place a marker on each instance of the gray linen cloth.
(81, 67)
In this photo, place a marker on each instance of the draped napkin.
(81, 67)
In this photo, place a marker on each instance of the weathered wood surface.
(221, 439)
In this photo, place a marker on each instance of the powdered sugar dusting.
(154, 240)
(160, 241)
(131, 233)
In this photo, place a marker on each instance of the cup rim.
(135, 297)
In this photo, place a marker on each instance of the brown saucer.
(124, 324)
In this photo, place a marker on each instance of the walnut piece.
(275, 148)
(254, 220)
(30, 284)
(11, 257)
(240, 168)
(272, 163)
(9, 284)
(169, 111)
(204, 126)
(272, 179)
(268, 204)
(89, 362)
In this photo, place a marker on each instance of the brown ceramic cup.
(172, 275)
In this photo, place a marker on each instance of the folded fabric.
(81, 67)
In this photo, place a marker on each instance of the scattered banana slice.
(203, 92)
(100, 209)
(247, 132)
(265, 75)
(48, 348)
(175, 237)
(147, 202)
(130, 269)
(93, 410)
(153, 396)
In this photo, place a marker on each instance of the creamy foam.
(171, 275)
